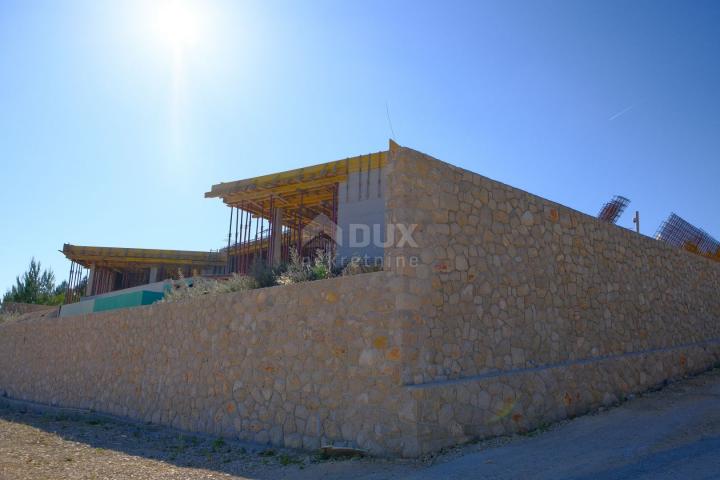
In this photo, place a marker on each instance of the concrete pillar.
(277, 237)
(91, 276)
(153, 275)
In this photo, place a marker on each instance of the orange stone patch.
(441, 267)
(380, 342)
(393, 354)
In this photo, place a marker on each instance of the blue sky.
(110, 132)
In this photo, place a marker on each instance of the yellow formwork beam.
(125, 257)
(282, 191)
(305, 178)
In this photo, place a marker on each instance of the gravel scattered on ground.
(85, 446)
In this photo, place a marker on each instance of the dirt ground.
(667, 434)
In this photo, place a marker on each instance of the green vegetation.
(286, 460)
(357, 265)
(298, 271)
(261, 275)
(37, 286)
(218, 444)
(199, 287)
(8, 317)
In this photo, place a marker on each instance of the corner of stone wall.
(600, 337)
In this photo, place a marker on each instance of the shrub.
(238, 283)
(262, 273)
(8, 317)
(358, 265)
(198, 287)
(298, 270)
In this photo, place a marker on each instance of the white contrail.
(621, 113)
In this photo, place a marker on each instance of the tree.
(35, 286)
(61, 288)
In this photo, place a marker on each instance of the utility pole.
(636, 221)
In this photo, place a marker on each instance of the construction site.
(305, 210)
(369, 240)
(337, 207)
(507, 312)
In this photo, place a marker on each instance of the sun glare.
(177, 23)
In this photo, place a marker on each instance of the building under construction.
(105, 269)
(305, 210)
(141, 274)
(337, 207)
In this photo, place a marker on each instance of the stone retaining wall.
(525, 311)
(298, 365)
(510, 312)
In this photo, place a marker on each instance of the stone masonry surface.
(512, 311)
(298, 366)
(522, 311)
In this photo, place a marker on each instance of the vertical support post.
(89, 288)
(277, 221)
(76, 282)
(334, 240)
(240, 245)
(291, 234)
(258, 246)
(152, 278)
(238, 239)
(299, 223)
(237, 222)
(244, 247)
(229, 264)
(262, 231)
(245, 239)
(69, 284)
(248, 231)
(271, 227)
(636, 221)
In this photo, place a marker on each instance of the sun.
(177, 23)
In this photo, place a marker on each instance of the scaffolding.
(97, 270)
(76, 282)
(272, 215)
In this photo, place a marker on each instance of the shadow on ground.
(154, 442)
(667, 434)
